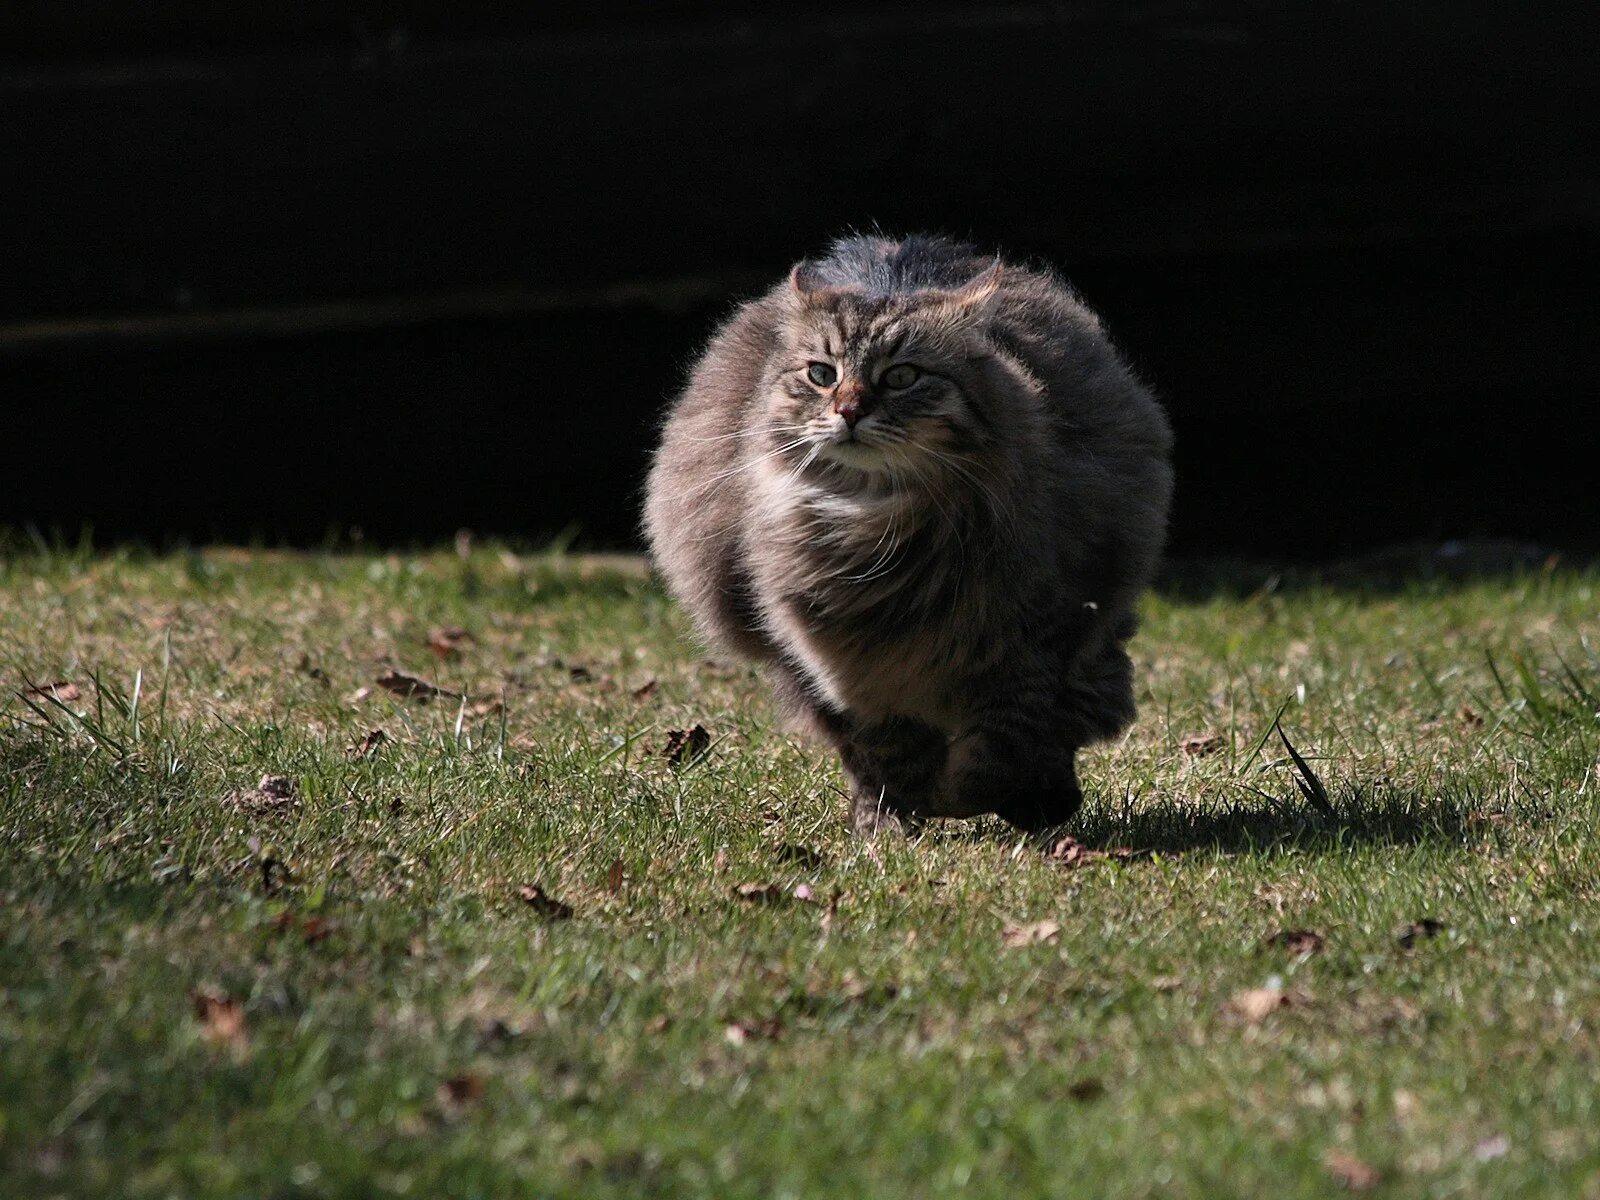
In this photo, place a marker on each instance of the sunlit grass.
(335, 986)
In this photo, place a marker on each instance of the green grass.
(207, 993)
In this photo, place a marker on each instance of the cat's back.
(698, 485)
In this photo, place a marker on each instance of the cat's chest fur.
(884, 604)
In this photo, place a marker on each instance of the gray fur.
(942, 590)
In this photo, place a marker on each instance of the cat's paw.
(871, 819)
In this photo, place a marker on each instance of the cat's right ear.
(805, 288)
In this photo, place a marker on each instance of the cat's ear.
(803, 283)
(972, 296)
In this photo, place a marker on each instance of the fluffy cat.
(920, 486)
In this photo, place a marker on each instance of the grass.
(336, 987)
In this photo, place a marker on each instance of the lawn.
(353, 875)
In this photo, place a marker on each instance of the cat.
(920, 487)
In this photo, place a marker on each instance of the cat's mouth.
(852, 451)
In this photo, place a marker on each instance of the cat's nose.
(847, 402)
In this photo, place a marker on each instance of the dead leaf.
(1302, 943)
(1198, 745)
(1492, 1148)
(1350, 1172)
(685, 745)
(1257, 1004)
(1469, 716)
(831, 913)
(62, 690)
(544, 904)
(1421, 930)
(368, 745)
(1037, 933)
(409, 687)
(221, 1019)
(614, 877)
(460, 1091)
(759, 893)
(1069, 852)
(645, 690)
(659, 1023)
(273, 795)
(449, 642)
(740, 1032)
(315, 929)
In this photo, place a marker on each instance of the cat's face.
(881, 388)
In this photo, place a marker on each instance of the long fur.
(943, 590)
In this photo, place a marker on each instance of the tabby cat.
(923, 490)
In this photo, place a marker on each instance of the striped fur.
(939, 577)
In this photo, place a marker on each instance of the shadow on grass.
(1229, 828)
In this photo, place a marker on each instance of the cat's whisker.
(747, 433)
(747, 465)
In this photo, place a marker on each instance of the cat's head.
(878, 372)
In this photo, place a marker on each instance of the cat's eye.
(822, 374)
(899, 377)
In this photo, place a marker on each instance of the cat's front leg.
(1013, 765)
(894, 769)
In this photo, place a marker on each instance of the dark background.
(410, 267)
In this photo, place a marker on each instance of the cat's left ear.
(973, 296)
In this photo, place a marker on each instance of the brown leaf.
(61, 689)
(221, 1019)
(273, 795)
(368, 745)
(1037, 933)
(759, 893)
(449, 642)
(659, 1023)
(544, 904)
(740, 1032)
(1197, 745)
(685, 745)
(315, 929)
(614, 877)
(1469, 716)
(1426, 928)
(831, 913)
(1302, 943)
(1350, 1172)
(645, 690)
(409, 687)
(1069, 852)
(459, 1091)
(1492, 1148)
(1257, 1004)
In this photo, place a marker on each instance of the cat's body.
(925, 492)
